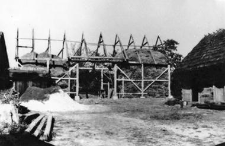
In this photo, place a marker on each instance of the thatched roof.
(34, 67)
(204, 66)
(29, 59)
(146, 56)
(33, 55)
(30, 55)
(208, 52)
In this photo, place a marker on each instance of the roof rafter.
(130, 42)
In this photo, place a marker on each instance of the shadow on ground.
(24, 139)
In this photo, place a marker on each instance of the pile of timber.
(40, 125)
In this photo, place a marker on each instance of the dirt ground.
(138, 122)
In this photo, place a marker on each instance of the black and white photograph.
(112, 73)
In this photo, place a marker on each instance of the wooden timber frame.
(82, 54)
(143, 88)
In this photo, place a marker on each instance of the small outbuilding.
(201, 75)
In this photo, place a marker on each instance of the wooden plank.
(150, 80)
(132, 93)
(34, 123)
(30, 114)
(48, 128)
(40, 127)
(25, 46)
(96, 68)
(64, 78)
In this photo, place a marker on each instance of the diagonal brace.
(129, 78)
(155, 80)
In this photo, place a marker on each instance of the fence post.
(115, 83)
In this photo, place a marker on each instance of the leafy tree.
(170, 50)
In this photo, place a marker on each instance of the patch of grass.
(139, 136)
(147, 109)
(175, 114)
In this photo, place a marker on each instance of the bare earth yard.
(138, 122)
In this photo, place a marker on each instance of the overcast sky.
(185, 21)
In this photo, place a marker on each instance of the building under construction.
(63, 68)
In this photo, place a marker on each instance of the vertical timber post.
(77, 83)
(101, 79)
(214, 94)
(123, 88)
(67, 52)
(101, 88)
(115, 97)
(142, 81)
(69, 82)
(169, 82)
(47, 64)
(108, 95)
(32, 40)
(17, 45)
